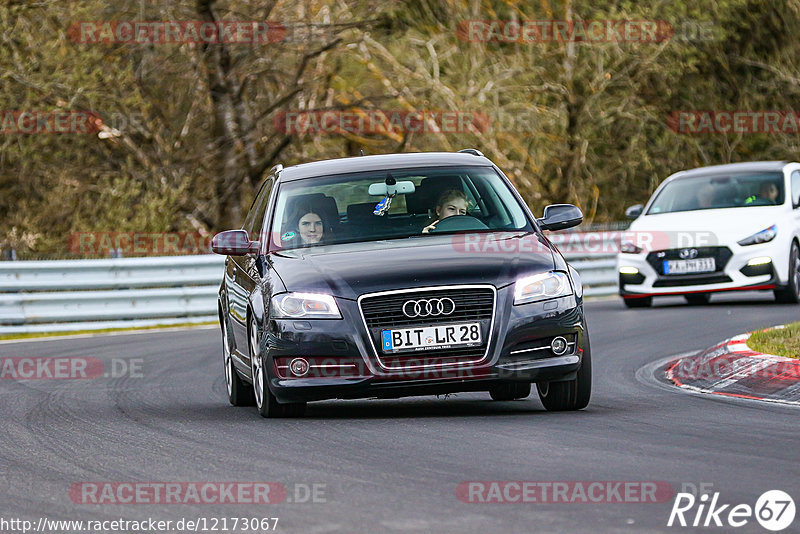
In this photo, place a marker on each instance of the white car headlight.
(541, 287)
(768, 234)
(305, 305)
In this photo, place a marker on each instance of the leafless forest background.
(190, 128)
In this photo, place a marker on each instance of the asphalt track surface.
(394, 465)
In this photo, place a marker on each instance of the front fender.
(258, 308)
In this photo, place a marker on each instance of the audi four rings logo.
(688, 253)
(428, 307)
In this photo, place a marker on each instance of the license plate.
(431, 337)
(697, 265)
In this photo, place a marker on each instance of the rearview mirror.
(234, 243)
(634, 211)
(560, 217)
(380, 189)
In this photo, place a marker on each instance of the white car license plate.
(697, 265)
(431, 337)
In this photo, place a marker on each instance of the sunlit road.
(394, 465)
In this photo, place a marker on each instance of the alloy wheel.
(226, 359)
(796, 271)
(256, 366)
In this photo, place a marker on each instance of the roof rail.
(276, 169)
(473, 151)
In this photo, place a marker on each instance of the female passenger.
(306, 227)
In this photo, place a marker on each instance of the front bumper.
(515, 354)
(736, 275)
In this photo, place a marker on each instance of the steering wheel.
(454, 223)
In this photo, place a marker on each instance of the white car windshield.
(393, 204)
(715, 191)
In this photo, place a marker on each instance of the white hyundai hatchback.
(722, 228)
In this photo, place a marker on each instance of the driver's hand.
(431, 226)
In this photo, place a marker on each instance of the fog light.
(630, 275)
(763, 260)
(559, 346)
(759, 266)
(298, 367)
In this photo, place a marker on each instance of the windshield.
(391, 204)
(716, 191)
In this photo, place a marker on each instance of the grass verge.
(779, 341)
(103, 331)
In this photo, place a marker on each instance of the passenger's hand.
(431, 226)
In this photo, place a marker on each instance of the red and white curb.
(733, 369)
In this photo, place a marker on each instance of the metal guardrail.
(73, 295)
(598, 273)
(594, 255)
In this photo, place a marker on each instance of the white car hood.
(704, 227)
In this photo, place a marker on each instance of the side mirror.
(634, 211)
(560, 217)
(234, 243)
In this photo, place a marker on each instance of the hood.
(350, 270)
(704, 227)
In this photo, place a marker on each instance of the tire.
(512, 391)
(791, 295)
(266, 403)
(638, 302)
(239, 393)
(571, 394)
(697, 299)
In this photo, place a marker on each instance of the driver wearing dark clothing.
(451, 202)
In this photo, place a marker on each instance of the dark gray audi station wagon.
(398, 275)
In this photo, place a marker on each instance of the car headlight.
(629, 248)
(305, 305)
(541, 287)
(768, 234)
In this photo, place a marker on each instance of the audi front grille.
(429, 307)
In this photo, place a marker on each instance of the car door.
(242, 271)
(795, 189)
(795, 193)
